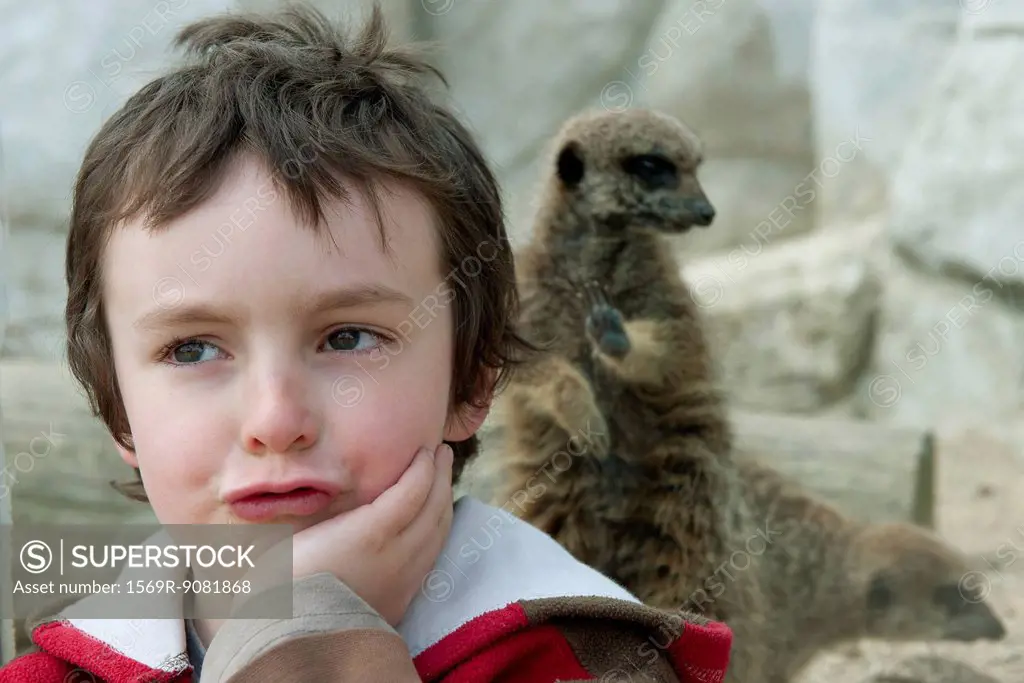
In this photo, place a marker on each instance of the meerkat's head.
(636, 168)
(913, 586)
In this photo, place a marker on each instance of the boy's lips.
(264, 502)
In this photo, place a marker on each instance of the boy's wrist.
(268, 599)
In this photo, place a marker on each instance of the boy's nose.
(280, 423)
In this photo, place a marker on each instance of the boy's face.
(252, 353)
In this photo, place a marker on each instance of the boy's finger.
(401, 503)
(438, 504)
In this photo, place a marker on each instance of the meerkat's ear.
(570, 165)
(953, 597)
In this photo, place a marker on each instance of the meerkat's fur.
(829, 579)
(622, 411)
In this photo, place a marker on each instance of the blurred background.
(866, 264)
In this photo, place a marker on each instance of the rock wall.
(792, 326)
(912, 309)
(872, 63)
(700, 60)
(955, 310)
(956, 195)
(65, 67)
(519, 69)
(867, 258)
(620, 54)
(715, 65)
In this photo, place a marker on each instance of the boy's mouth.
(262, 506)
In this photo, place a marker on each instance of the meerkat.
(618, 445)
(831, 580)
(625, 389)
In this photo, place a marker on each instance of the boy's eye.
(193, 352)
(348, 340)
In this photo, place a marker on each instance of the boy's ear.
(127, 455)
(466, 422)
(468, 418)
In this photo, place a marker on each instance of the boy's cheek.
(378, 457)
(382, 439)
(179, 497)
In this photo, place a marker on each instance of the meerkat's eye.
(653, 170)
(955, 598)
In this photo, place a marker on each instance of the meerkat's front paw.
(578, 414)
(605, 326)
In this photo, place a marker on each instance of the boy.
(286, 189)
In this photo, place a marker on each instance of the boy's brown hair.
(315, 105)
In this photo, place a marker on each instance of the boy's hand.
(384, 549)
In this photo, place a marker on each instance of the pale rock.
(993, 451)
(791, 22)
(789, 324)
(60, 457)
(979, 18)
(402, 16)
(6, 256)
(945, 352)
(930, 668)
(873, 62)
(758, 201)
(66, 67)
(8, 639)
(957, 204)
(36, 294)
(519, 70)
(713, 65)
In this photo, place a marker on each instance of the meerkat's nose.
(995, 630)
(703, 211)
(980, 624)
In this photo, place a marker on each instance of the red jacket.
(504, 602)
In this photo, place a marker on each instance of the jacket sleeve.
(575, 639)
(621, 641)
(334, 636)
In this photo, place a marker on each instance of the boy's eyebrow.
(346, 297)
(356, 295)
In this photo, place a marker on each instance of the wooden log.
(60, 458)
(870, 471)
(8, 629)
